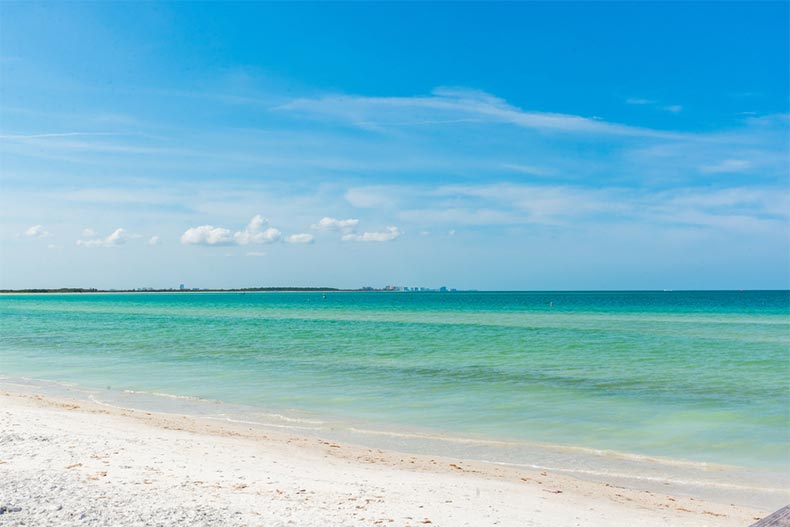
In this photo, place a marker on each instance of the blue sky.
(487, 146)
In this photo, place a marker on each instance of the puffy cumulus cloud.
(116, 238)
(302, 238)
(256, 233)
(89, 233)
(333, 224)
(388, 234)
(154, 240)
(207, 235)
(37, 231)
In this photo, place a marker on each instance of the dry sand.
(74, 463)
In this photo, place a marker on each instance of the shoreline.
(149, 459)
(709, 481)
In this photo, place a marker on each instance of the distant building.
(181, 287)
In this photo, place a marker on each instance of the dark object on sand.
(780, 518)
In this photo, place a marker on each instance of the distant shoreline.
(78, 290)
(69, 290)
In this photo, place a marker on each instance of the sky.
(500, 146)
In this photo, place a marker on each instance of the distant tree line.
(94, 290)
(60, 290)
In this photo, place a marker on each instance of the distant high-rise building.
(181, 287)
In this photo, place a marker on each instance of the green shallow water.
(699, 376)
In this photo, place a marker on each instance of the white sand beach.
(74, 463)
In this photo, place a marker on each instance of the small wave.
(93, 399)
(448, 439)
(546, 446)
(171, 396)
(292, 419)
(260, 423)
(34, 380)
(201, 417)
(658, 479)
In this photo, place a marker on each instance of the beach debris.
(780, 518)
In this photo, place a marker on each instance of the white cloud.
(451, 232)
(527, 169)
(504, 203)
(254, 232)
(389, 234)
(578, 207)
(116, 238)
(253, 253)
(368, 197)
(333, 224)
(727, 166)
(154, 240)
(299, 238)
(37, 231)
(674, 108)
(638, 101)
(54, 247)
(454, 105)
(206, 235)
(89, 233)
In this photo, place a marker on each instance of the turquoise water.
(694, 376)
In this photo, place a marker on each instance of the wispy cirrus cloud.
(48, 135)
(672, 108)
(576, 207)
(728, 166)
(639, 101)
(456, 104)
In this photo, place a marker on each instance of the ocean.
(653, 389)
